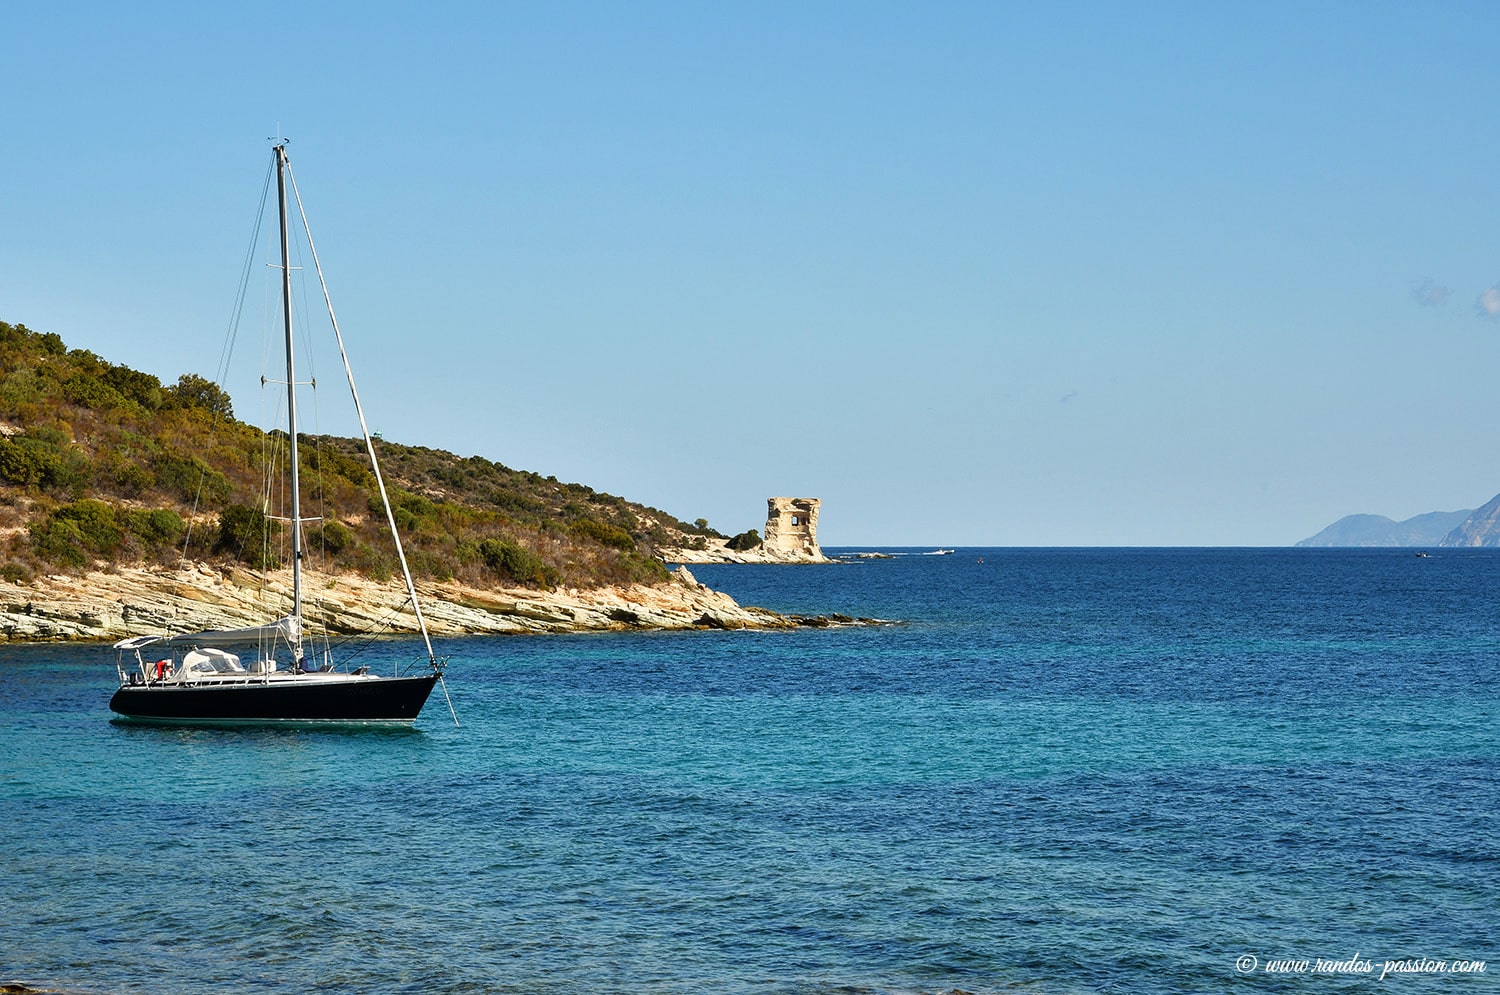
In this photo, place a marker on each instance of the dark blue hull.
(390, 700)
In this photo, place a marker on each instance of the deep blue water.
(1068, 771)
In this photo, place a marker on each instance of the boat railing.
(170, 671)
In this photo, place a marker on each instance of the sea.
(1055, 771)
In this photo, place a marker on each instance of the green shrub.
(70, 533)
(30, 462)
(354, 469)
(418, 505)
(91, 392)
(21, 386)
(429, 563)
(645, 569)
(374, 563)
(607, 535)
(332, 536)
(516, 563)
(519, 504)
(115, 469)
(133, 385)
(745, 540)
(193, 391)
(157, 529)
(132, 478)
(50, 434)
(190, 479)
(246, 533)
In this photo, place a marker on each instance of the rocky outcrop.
(143, 601)
(716, 551)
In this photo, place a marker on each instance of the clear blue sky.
(989, 273)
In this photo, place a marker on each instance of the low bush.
(606, 535)
(745, 540)
(645, 569)
(333, 537)
(157, 529)
(73, 534)
(513, 562)
(191, 479)
(245, 533)
(30, 462)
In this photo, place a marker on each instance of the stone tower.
(792, 527)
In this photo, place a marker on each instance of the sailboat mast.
(291, 404)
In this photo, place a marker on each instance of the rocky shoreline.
(110, 605)
(718, 551)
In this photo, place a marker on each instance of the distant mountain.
(1482, 528)
(1435, 528)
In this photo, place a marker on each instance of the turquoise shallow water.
(1069, 771)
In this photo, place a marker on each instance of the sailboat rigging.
(194, 678)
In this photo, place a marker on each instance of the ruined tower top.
(792, 526)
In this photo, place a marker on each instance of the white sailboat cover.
(287, 628)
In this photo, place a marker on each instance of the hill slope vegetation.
(101, 464)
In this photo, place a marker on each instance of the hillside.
(104, 466)
(1481, 529)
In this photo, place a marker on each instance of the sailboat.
(276, 677)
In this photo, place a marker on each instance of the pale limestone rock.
(110, 605)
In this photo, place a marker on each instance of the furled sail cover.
(285, 629)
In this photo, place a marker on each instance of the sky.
(972, 273)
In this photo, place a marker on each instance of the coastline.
(718, 551)
(104, 606)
